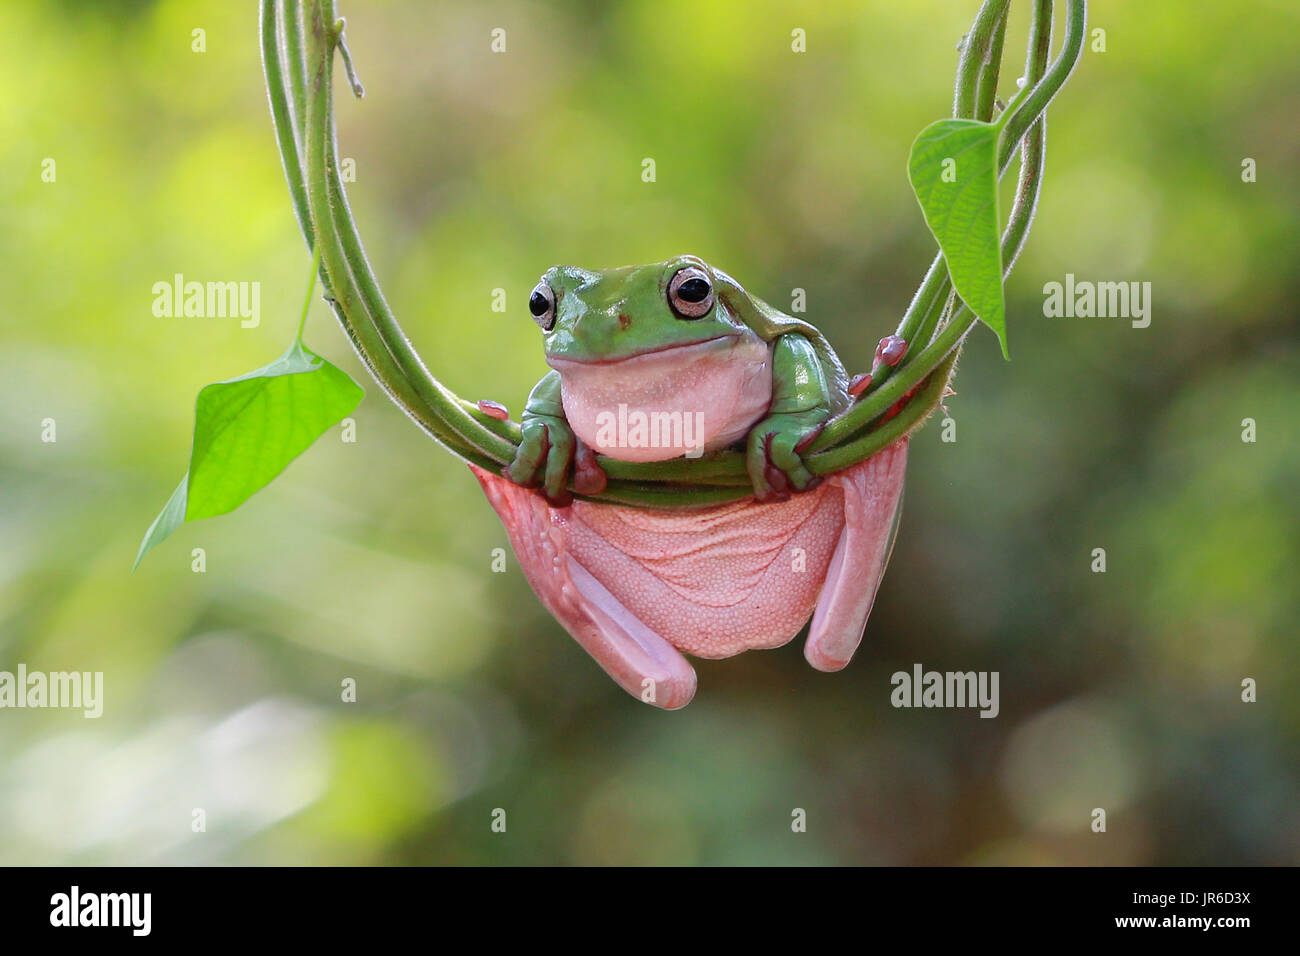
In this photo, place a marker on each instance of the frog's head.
(622, 313)
(655, 361)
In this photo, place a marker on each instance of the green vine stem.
(299, 40)
(977, 70)
(1028, 116)
(281, 29)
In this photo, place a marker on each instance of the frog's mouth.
(703, 345)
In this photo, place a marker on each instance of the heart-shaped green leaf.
(248, 429)
(953, 169)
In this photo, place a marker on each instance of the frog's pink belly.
(717, 582)
(637, 588)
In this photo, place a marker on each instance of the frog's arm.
(549, 446)
(801, 403)
(547, 443)
(772, 325)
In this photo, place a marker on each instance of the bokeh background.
(371, 560)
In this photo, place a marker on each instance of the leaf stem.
(311, 287)
(340, 40)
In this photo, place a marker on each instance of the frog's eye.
(690, 293)
(542, 306)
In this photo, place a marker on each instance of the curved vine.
(299, 41)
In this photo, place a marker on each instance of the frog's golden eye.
(690, 293)
(542, 306)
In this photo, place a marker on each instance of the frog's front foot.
(773, 454)
(546, 452)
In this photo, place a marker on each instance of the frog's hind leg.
(873, 492)
(641, 661)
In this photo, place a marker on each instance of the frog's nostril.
(624, 320)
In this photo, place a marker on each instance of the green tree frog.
(675, 359)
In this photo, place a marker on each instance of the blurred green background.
(371, 560)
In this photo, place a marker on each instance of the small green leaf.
(248, 429)
(953, 169)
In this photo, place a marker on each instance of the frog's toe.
(775, 468)
(781, 453)
(520, 471)
(558, 456)
(528, 459)
(588, 477)
(768, 482)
